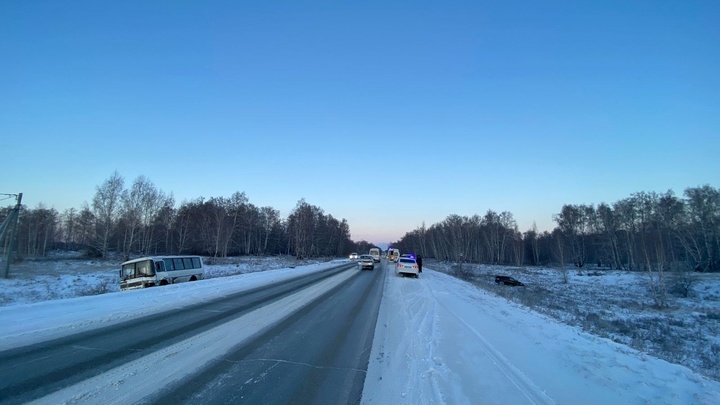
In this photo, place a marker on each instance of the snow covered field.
(439, 339)
(67, 275)
(617, 305)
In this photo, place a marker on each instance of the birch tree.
(106, 209)
(703, 205)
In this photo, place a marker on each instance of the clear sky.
(386, 113)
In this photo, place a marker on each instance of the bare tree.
(106, 209)
(559, 244)
(69, 226)
(608, 226)
(235, 223)
(494, 236)
(509, 229)
(518, 249)
(626, 214)
(573, 221)
(216, 224)
(270, 220)
(37, 230)
(164, 222)
(85, 226)
(182, 227)
(301, 227)
(653, 246)
(140, 207)
(704, 213)
(531, 237)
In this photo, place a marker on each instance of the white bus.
(375, 253)
(160, 270)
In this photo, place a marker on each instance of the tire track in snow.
(513, 374)
(404, 368)
(420, 314)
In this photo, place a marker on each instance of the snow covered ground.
(24, 324)
(442, 340)
(618, 305)
(439, 339)
(68, 275)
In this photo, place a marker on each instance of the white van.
(375, 253)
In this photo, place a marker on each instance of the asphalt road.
(318, 354)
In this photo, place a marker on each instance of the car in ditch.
(507, 280)
(406, 266)
(366, 262)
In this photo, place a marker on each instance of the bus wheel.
(164, 282)
(193, 278)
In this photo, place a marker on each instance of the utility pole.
(13, 234)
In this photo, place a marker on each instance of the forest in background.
(144, 220)
(648, 231)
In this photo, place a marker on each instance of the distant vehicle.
(407, 266)
(375, 253)
(393, 255)
(366, 262)
(353, 256)
(506, 280)
(160, 270)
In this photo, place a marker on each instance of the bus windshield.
(139, 269)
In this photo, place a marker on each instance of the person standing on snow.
(419, 262)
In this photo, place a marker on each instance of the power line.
(8, 196)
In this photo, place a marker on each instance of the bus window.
(196, 263)
(169, 264)
(187, 262)
(178, 264)
(128, 270)
(144, 269)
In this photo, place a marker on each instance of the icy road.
(325, 333)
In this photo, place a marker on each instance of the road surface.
(304, 340)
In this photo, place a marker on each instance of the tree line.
(144, 220)
(658, 233)
(647, 231)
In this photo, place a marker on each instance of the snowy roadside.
(438, 340)
(442, 340)
(617, 305)
(142, 376)
(25, 324)
(65, 275)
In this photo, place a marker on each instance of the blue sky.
(388, 114)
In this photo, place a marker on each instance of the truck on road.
(375, 253)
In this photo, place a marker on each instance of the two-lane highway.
(197, 347)
(319, 355)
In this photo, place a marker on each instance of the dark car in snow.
(507, 280)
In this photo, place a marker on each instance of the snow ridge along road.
(133, 381)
